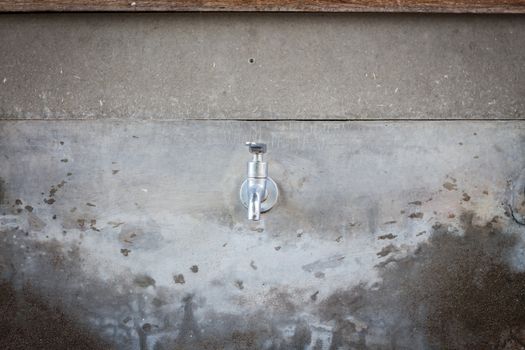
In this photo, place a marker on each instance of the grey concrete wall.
(121, 232)
(305, 66)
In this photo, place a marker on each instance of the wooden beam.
(438, 6)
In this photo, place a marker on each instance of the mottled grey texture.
(344, 260)
(262, 66)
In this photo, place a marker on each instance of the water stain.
(323, 264)
(29, 322)
(2, 191)
(454, 292)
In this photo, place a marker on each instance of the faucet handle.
(256, 148)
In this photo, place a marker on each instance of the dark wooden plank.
(461, 6)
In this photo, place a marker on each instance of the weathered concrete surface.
(255, 66)
(387, 235)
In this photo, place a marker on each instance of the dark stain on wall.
(454, 292)
(2, 191)
(28, 322)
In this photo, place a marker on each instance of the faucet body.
(257, 176)
(258, 192)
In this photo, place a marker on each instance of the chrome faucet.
(259, 192)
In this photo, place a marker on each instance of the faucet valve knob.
(256, 148)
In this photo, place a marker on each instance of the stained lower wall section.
(404, 235)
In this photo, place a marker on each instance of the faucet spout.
(254, 207)
(256, 193)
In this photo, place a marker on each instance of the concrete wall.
(262, 66)
(120, 223)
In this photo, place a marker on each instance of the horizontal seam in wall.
(263, 120)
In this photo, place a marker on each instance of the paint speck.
(49, 201)
(114, 172)
(239, 284)
(319, 274)
(18, 202)
(144, 281)
(29, 208)
(179, 279)
(313, 297)
(387, 250)
(115, 224)
(415, 203)
(451, 216)
(450, 186)
(90, 204)
(252, 265)
(277, 248)
(338, 239)
(421, 233)
(194, 269)
(388, 236)
(64, 160)
(125, 251)
(466, 197)
(418, 215)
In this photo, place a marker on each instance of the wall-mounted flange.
(269, 199)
